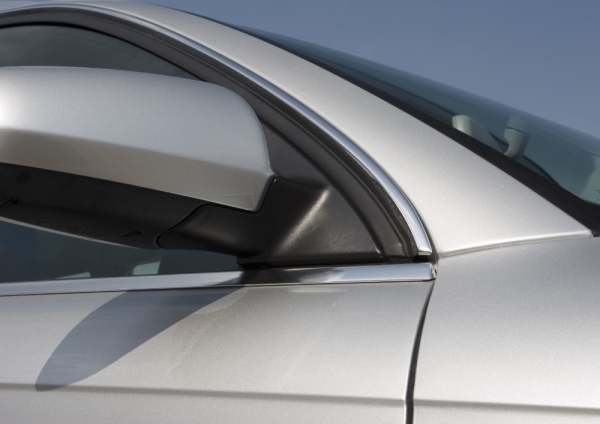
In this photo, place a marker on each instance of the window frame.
(371, 199)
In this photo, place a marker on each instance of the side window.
(46, 45)
(32, 254)
(29, 254)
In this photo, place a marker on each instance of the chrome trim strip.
(377, 173)
(267, 277)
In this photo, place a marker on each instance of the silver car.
(202, 223)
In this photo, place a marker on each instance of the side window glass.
(47, 45)
(31, 254)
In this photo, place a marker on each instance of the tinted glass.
(563, 156)
(45, 45)
(28, 254)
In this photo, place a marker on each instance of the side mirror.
(121, 156)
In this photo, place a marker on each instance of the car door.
(95, 332)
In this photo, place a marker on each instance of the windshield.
(561, 155)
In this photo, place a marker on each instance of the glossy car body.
(496, 319)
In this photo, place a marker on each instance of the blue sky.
(541, 56)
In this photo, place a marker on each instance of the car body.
(481, 304)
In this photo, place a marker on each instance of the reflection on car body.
(244, 227)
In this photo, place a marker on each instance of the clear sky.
(541, 56)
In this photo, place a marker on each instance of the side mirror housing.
(121, 156)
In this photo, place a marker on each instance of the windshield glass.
(564, 156)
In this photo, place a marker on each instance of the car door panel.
(329, 352)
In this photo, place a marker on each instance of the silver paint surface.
(323, 353)
(512, 335)
(285, 276)
(169, 134)
(465, 203)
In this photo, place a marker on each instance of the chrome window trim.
(398, 197)
(410, 272)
